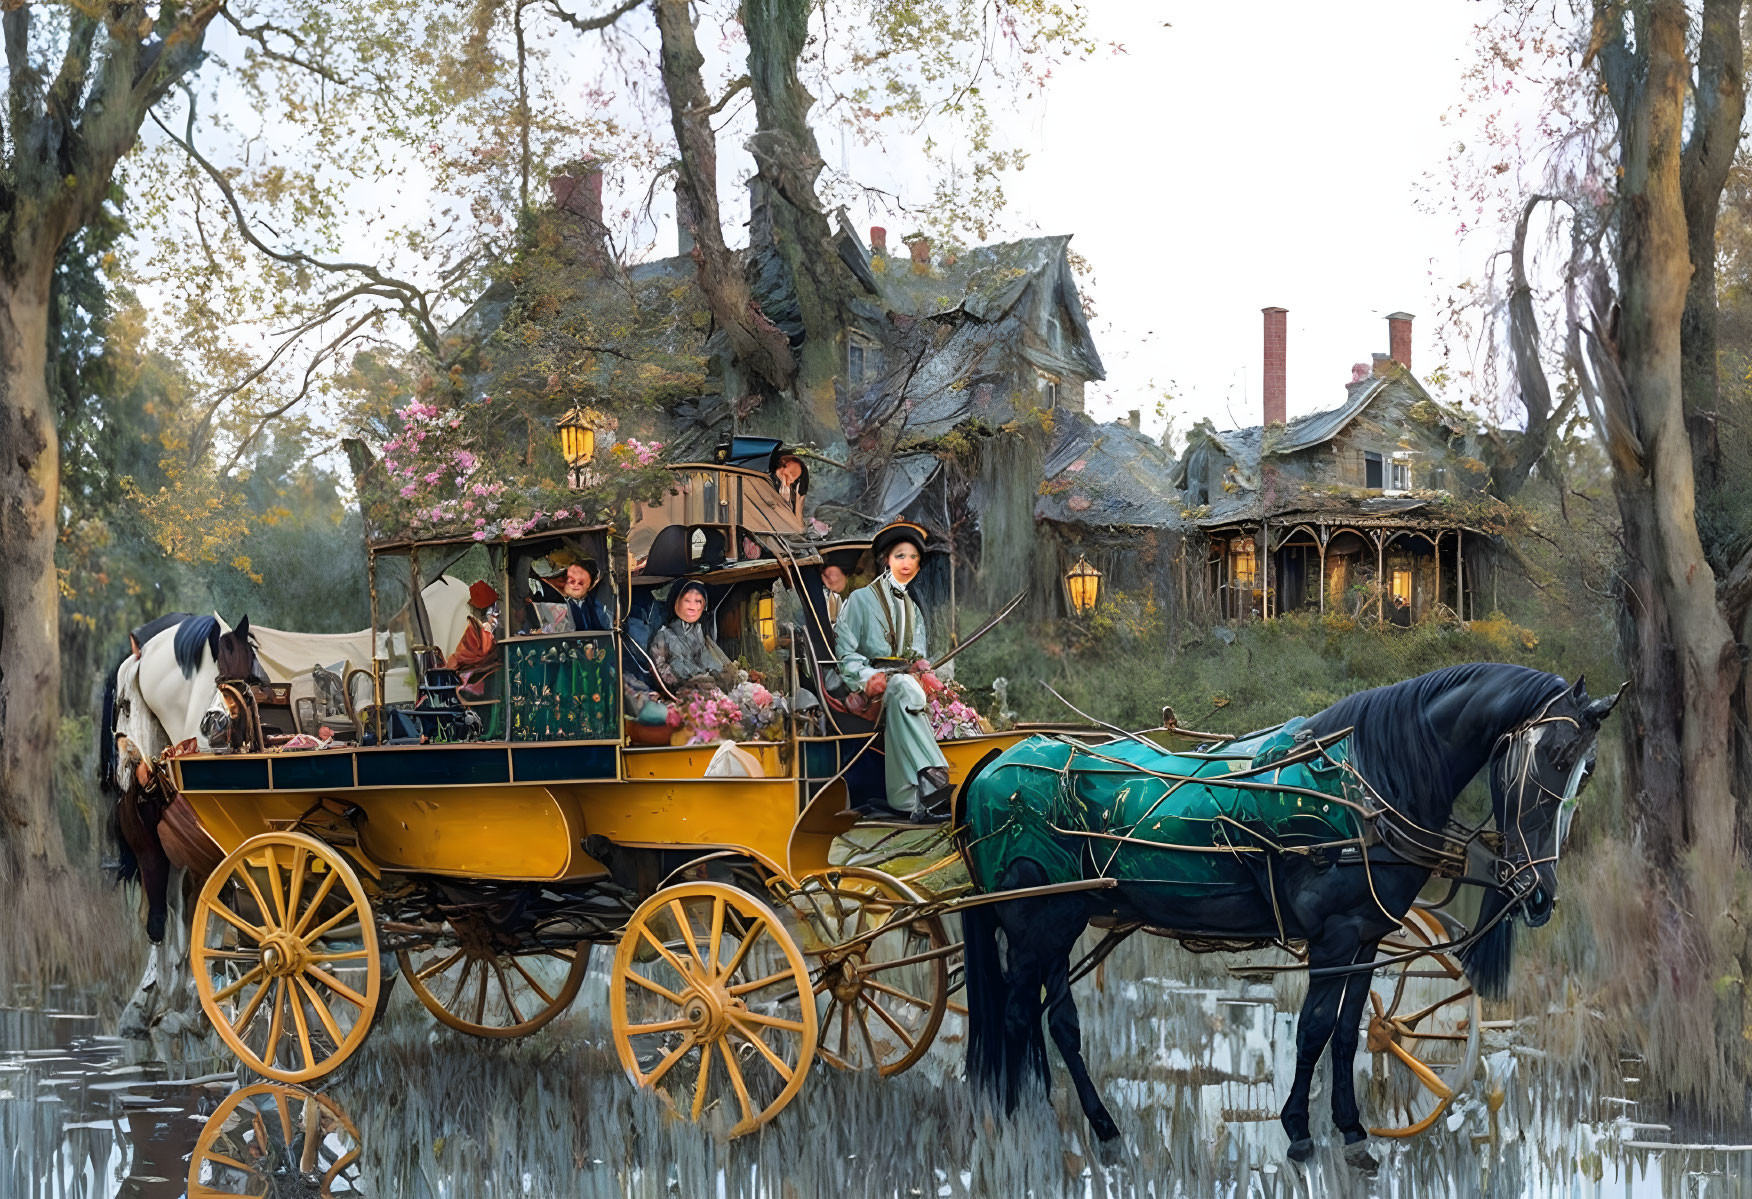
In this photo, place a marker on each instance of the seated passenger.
(566, 605)
(684, 657)
(882, 622)
(476, 656)
(833, 582)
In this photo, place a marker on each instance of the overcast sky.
(1244, 155)
(1249, 155)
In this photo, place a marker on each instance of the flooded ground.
(1193, 1070)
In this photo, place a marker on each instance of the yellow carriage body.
(494, 823)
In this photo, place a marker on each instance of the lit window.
(1243, 566)
(1402, 586)
(765, 622)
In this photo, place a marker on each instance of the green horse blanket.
(1192, 824)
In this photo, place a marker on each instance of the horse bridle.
(1520, 879)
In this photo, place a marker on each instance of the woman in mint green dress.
(880, 638)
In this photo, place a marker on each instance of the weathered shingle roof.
(1107, 475)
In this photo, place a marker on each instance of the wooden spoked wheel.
(487, 990)
(274, 1139)
(712, 1005)
(285, 959)
(882, 984)
(1421, 1027)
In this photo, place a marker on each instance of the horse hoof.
(1302, 1150)
(1358, 1157)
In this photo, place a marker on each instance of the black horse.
(1417, 744)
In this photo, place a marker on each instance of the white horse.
(179, 672)
(175, 676)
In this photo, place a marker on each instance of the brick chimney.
(878, 240)
(577, 192)
(1276, 335)
(1383, 364)
(1359, 372)
(1399, 338)
(921, 254)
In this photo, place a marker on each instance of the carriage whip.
(1015, 602)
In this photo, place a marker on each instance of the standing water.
(1193, 1062)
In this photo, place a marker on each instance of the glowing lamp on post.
(1083, 586)
(578, 443)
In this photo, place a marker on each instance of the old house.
(1359, 509)
(952, 370)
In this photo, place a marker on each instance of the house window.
(1243, 566)
(1054, 333)
(863, 360)
(1402, 587)
(1049, 391)
(1400, 476)
(1438, 478)
(1371, 469)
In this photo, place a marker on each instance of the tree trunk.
(788, 211)
(30, 665)
(1683, 651)
(755, 341)
(1719, 99)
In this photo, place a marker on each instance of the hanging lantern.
(766, 623)
(578, 429)
(1083, 586)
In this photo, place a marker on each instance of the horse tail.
(126, 866)
(1489, 958)
(195, 636)
(106, 737)
(988, 995)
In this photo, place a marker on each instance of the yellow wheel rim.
(1421, 1028)
(273, 1139)
(470, 987)
(712, 1005)
(881, 984)
(285, 956)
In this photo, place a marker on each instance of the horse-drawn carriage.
(484, 845)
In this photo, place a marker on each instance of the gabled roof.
(985, 284)
(1107, 475)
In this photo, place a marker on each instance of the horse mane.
(1395, 743)
(194, 635)
(1399, 750)
(106, 733)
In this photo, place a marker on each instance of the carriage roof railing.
(545, 533)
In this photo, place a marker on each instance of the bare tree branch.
(591, 24)
(413, 301)
(322, 355)
(259, 35)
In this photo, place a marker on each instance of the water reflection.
(1194, 1064)
(276, 1139)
